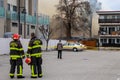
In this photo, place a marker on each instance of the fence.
(4, 44)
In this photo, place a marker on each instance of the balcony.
(109, 20)
(12, 15)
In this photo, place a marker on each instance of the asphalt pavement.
(84, 65)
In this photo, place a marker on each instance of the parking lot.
(84, 65)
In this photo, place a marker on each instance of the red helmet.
(28, 60)
(16, 36)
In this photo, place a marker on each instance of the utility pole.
(19, 17)
(36, 14)
(24, 11)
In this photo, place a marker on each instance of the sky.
(48, 6)
(110, 4)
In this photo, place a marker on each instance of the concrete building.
(109, 31)
(20, 16)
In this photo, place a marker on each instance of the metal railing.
(12, 15)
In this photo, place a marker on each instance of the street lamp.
(19, 17)
(19, 24)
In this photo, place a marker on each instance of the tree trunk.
(47, 45)
(68, 32)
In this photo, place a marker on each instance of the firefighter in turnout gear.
(16, 56)
(34, 52)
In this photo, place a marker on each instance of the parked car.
(8, 35)
(74, 46)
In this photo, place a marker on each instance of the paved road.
(86, 65)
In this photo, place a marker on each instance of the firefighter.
(34, 52)
(16, 55)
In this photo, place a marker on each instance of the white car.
(74, 46)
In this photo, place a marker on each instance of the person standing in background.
(59, 48)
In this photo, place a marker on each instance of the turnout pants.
(36, 69)
(18, 62)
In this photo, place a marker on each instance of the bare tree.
(74, 14)
(47, 32)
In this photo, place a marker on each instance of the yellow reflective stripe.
(33, 74)
(20, 49)
(15, 56)
(40, 74)
(23, 55)
(29, 47)
(36, 46)
(20, 72)
(20, 69)
(28, 55)
(36, 54)
(14, 49)
(11, 74)
(32, 69)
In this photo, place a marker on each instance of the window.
(101, 17)
(8, 7)
(103, 41)
(28, 32)
(111, 41)
(113, 17)
(118, 16)
(103, 30)
(118, 40)
(32, 27)
(109, 17)
(118, 28)
(14, 24)
(15, 8)
(111, 29)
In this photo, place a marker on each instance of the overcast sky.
(110, 4)
(48, 6)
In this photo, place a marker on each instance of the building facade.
(20, 16)
(109, 28)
